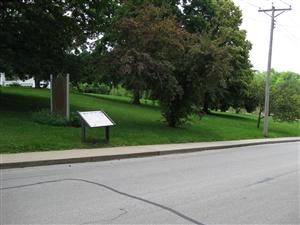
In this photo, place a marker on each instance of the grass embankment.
(136, 125)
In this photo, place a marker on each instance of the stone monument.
(60, 95)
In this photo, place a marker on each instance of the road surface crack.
(124, 211)
(113, 190)
(268, 179)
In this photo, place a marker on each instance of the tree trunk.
(172, 121)
(259, 117)
(205, 103)
(37, 82)
(136, 97)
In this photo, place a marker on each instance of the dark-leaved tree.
(39, 38)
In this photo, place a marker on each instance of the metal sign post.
(83, 132)
(107, 134)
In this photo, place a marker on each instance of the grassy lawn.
(136, 125)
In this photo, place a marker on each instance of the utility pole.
(273, 10)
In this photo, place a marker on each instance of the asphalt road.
(249, 185)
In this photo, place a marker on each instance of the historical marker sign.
(95, 119)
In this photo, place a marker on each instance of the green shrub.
(74, 89)
(44, 116)
(74, 120)
(103, 89)
(96, 88)
(120, 91)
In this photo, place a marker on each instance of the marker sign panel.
(96, 119)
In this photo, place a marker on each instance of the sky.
(286, 42)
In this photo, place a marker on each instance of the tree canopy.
(284, 95)
(42, 37)
(188, 55)
(155, 52)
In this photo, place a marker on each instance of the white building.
(24, 83)
(2, 79)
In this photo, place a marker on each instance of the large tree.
(147, 32)
(221, 20)
(40, 38)
(154, 52)
(255, 96)
(284, 96)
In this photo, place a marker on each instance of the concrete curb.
(95, 158)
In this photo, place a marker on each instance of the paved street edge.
(95, 158)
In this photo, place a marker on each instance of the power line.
(285, 3)
(293, 20)
(251, 4)
(276, 2)
(286, 31)
(253, 19)
(292, 27)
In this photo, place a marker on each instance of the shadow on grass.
(232, 117)
(99, 141)
(125, 101)
(15, 102)
(282, 133)
(20, 103)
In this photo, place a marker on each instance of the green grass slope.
(135, 125)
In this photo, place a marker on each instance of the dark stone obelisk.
(60, 95)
